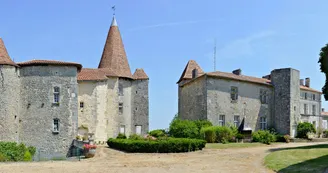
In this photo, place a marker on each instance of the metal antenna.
(113, 8)
(214, 54)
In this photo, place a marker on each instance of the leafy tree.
(323, 60)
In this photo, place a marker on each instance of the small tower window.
(234, 93)
(56, 94)
(120, 108)
(120, 89)
(56, 125)
(81, 104)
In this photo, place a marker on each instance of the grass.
(299, 159)
(232, 145)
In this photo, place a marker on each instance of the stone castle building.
(279, 100)
(43, 103)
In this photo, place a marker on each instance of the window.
(120, 89)
(221, 120)
(263, 123)
(305, 109)
(313, 97)
(81, 104)
(305, 96)
(122, 129)
(120, 108)
(56, 94)
(138, 130)
(313, 109)
(236, 120)
(301, 95)
(56, 125)
(234, 93)
(264, 96)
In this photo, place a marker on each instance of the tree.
(323, 60)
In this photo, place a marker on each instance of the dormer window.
(56, 95)
(194, 73)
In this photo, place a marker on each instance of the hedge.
(263, 136)
(169, 145)
(11, 151)
(157, 133)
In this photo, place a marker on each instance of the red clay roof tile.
(4, 56)
(140, 74)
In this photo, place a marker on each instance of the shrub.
(325, 133)
(170, 145)
(221, 134)
(239, 136)
(280, 138)
(263, 136)
(287, 138)
(183, 129)
(135, 137)
(202, 124)
(32, 150)
(11, 151)
(303, 129)
(27, 156)
(157, 133)
(121, 136)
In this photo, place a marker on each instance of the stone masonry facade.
(273, 101)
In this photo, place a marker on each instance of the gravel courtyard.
(246, 160)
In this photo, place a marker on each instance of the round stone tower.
(10, 97)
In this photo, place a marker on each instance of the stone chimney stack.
(237, 72)
(302, 82)
(194, 73)
(307, 82)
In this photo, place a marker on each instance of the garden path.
(245, 160)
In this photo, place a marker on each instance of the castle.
(43, 103)
(279, 100)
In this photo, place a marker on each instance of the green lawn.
(232, 145)
(300, 159)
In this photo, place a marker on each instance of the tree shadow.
(317, 165)
(302, 147)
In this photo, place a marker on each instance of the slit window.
(234, 93)
(120, 108)
(56, 125)
(81, 104)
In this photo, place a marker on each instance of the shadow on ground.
(308, 166)
(304, 147)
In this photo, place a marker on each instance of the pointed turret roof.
(140, 74)
(4, 56)
(187, 72)
(114, 56)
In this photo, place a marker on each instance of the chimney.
(323, 110)
(307, 82)
(194, 73)
(302, 82)
(267, 77)
(237, 72)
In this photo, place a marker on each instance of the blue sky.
(161, 36)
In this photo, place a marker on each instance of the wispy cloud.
(172, 24)
(243, 46)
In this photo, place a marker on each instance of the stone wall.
(125, 119)
(219, 102)
(38, 110)
(192, 100)
(140, 106)
(286, 100)
(9, 102)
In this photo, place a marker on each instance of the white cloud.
(171, 24)
(242, 46)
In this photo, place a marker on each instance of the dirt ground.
(245, 160)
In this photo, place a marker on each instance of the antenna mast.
(214, 54)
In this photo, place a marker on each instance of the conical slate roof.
(114, 56)
(187, 72)
(140, 74)
(4, 56)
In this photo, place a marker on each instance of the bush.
(27, 156)
(303, 129)
(221, 134)
(280, 138)
(121, 136)
(157, 133)
(136, 137)
(202, 124)
(325, 133)
(11, 151)
(263, 136)
(170, 145)
(183, 129)
(287, 138)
